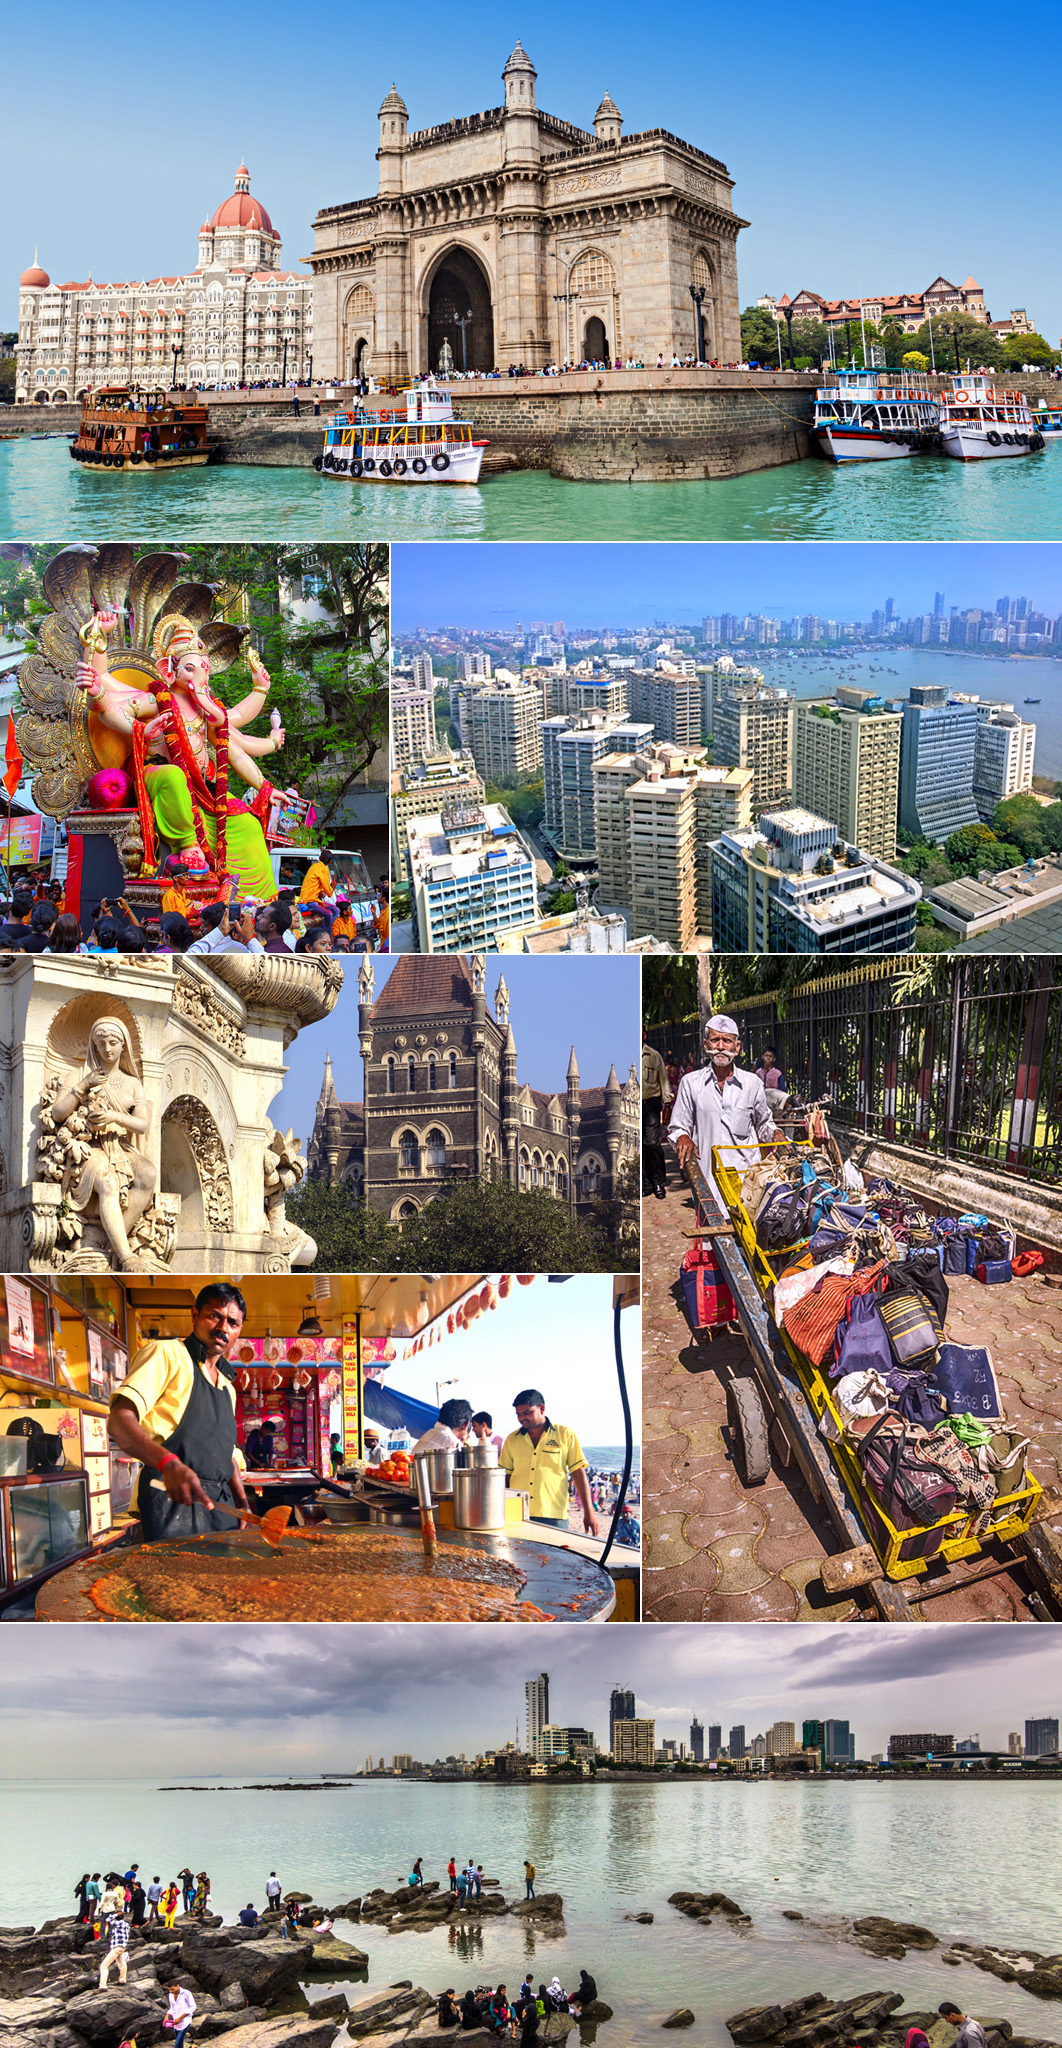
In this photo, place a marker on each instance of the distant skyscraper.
(536, 1697)
(938, 604)
(890, 610)
(696, 1740)
(715, 1740)
(620, 1708)
(846, 767)
(737, 1740)
(1041, 1738)
(813, 1736)
(837, 1742)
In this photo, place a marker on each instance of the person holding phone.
(227, 928)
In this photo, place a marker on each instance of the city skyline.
(861, 242)
(313, 1698)
(639, 585)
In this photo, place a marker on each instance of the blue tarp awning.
(392, 1410)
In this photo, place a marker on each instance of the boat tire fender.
(136, 456)
(369, 464)
(993, 438)
(401, 466)
(419, 465)
(1008, 440)
(318, 462)
(440, 461)
(385, 469)
(355, 467)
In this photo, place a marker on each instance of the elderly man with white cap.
(721, 1104)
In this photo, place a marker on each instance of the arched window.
(536, 1169)
(407, 1212)
(391, 1075)
(453, 1070)
(592, 274)
(409, 1152)
(525, 1169)
(548, 1172)
(411, 1075)
(432, 1081)
(435, 1151)
(591, 1179)
(701, 271)
(562, 1180)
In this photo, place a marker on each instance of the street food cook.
(540, 1457)
(176, 1413)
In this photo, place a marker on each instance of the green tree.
(915, 360)
(1029, 348)
(491, 1227)
(759, 336)
(964, 846)
(349, 1238)
(1025, 823)
(977, 343)
(525, 800)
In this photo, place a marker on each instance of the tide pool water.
(979, 1862)
(46, 497)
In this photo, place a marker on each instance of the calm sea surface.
(975, 1862)
(1012, 679)
(45, 497)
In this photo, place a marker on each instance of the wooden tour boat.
(123, 427)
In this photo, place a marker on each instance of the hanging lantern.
(524, 1279)
(450, 1324)
(244, 1381)
(485, 1299)
(505, 1285)
(492, 1296)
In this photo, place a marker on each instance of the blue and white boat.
(425, 444)
(875, 416)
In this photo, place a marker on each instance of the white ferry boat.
(978, 422)
(425, 445)
(875, 416)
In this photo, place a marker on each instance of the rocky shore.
(873, 2018)
(247, 1982)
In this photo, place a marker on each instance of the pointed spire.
(612, 1086)
(510, 1044)
(501, 1001)
(328, 1094)
(573, 1067)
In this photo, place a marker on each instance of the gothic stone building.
(443, 1100)
(237, 318)
(480, 225)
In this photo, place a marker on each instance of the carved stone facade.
(443, 1101)
(206, 1056)
(512, 237)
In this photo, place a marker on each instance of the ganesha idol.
(121, 709)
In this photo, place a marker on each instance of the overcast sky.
(83, 1700)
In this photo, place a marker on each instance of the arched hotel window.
(409, 1152)
(435, 1151)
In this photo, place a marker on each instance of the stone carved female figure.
(109, 1166)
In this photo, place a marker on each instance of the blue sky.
(858, 165)
(555, 1003)
(533, 1340)
(493, 586)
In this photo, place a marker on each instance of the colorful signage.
(352, 1420)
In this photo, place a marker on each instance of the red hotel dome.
(35, 276)
(242, 211)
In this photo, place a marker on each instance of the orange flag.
(14, 760)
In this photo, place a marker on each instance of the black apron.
(205, 1438)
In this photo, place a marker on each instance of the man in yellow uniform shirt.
(176, 1412)
(317, 882)
(539, 1456)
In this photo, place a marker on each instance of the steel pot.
(440, 1470)
(479, 1455)
(479, 1497)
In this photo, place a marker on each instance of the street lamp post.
(176, 352)
(462, 321)
(697, 292)
(309, 369)
(788, 310)
(284, 367)
(954, 332)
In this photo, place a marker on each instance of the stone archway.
(460, 292)
(595, 341)
(194, 1165)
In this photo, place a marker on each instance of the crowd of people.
(319, 918)
(489, 2006)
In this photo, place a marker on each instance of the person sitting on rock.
(971, 2033)
(449, 2016)
(499, 2015)
(470, 2018)
(586, 1992)
(558, 1996)
(248, 1916)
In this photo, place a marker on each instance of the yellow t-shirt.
(175, 899)
(344, 927)
(317, 883)
(542, 1469)
(160, 1385)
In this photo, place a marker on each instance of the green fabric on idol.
(247, 856)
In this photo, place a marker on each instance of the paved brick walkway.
(716, 1552)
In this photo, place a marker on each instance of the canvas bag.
(708, 1299)
(912, 1329)
(812, 1325)
(914, 1488)
(861, 1343)
(921, 1271)
(1006, 1461)
(798, 1280)
(967, 1380)
(860, 1396)
(758, 1181)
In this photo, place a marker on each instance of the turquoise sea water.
(976, 1862)
(45, 496)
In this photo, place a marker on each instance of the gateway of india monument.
(511, 237)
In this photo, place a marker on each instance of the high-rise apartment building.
(656, 814)
(412, 722)
(471, 877)
(620, 1708)
(737, 1742)
(500, 725)
(715, 1740)
(473, 667)
(671, 700)
(1004, 758)
(536, 1709)
(423, 672)
(1041, 1737)
(838, 1742)
(781, 1739)
(570, 746)
(752, 727)
(792, 888)
(846, 766)
(431, 785)
(697, 1740)
(578, 690)
(937, 752)
(403, 1761)
(634, 1742)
